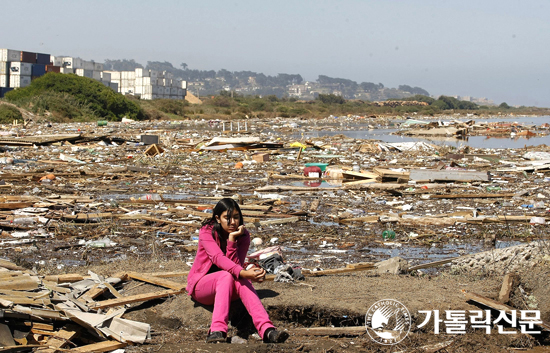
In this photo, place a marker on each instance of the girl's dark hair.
(225, 204)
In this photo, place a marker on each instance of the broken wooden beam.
(105, 346)
(133, 299)
(157, 281)
(493, 304)
(448, 175)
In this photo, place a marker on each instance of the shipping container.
(115, 75)
(4, 67)
(10, 55)
(28, 57)
(72, 63)
(184, 92)
(65, 70)
(96, 75)
(184, 84)
(173, 91)
(20, 68)
(53, 68)
(153, 74)
(4, 80)
(43, 58)
(105, 76)
(142, 73)
(87, 65)
(98, 66)
(56, 60)
(38, 70)
(4, 90)
(114, 86)
(180, 92)
(17, 81)
(106, 83)
(168, 74)
(144, 81)
(84, 73)
(128, 75)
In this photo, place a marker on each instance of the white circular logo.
(388, 322)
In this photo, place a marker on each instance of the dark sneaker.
(215, 337)
(272, 335)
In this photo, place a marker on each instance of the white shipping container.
(128, 75)
(106, 76)
(84, 73)
(4, 81)
(65, 70)
(17, 81)
(114, 86)
(153, 74)
(96, 75)
(56, 60)
(10, 55)
(160, 74)
(4, 68)
(168, 74)
(98, 66)
(72, 63)
(19, 68)
(87, 65)
(128, 83)
(115, 75)
(144, 81)
(142, 73)
(184, 84)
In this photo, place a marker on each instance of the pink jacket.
(209, 252)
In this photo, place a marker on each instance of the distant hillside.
(211, 82)
(68, 96)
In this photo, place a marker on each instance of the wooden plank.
(508, 284)
(336, 271)
(360, 175)
(331, 331)
(388, 173)
(19, 348)
(448, 175)
(280, 221)
(11, 266)
(493, 304)
(134, 299)
(59, 340)
(105, 346)
(365, 219)
(39, 326)
(432, 264)
(20, 283)
(167, 274)
(69, 277)
(471, 196)
(15, 205)
(157, 281)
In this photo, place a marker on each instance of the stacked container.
(18, 68)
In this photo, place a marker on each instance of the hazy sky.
(497, 49)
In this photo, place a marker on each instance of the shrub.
(75, 97)
(9, 113)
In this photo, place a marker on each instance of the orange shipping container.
(53, 68)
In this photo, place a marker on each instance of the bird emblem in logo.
(388, 322)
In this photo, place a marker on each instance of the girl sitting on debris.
(217, 276)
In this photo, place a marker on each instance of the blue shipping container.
(38, 70)
(4, 90)
(43, 59)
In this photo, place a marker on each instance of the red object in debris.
(424, 187)
(308, 170)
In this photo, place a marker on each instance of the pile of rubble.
(80, 314)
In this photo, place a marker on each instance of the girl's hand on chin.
(236, 234)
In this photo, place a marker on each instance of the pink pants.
(220, 288)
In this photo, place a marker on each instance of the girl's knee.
(225, 279)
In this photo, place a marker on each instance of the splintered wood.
(27, 301)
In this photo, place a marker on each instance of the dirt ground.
(180, 325)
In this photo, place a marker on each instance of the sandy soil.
(180, 325)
